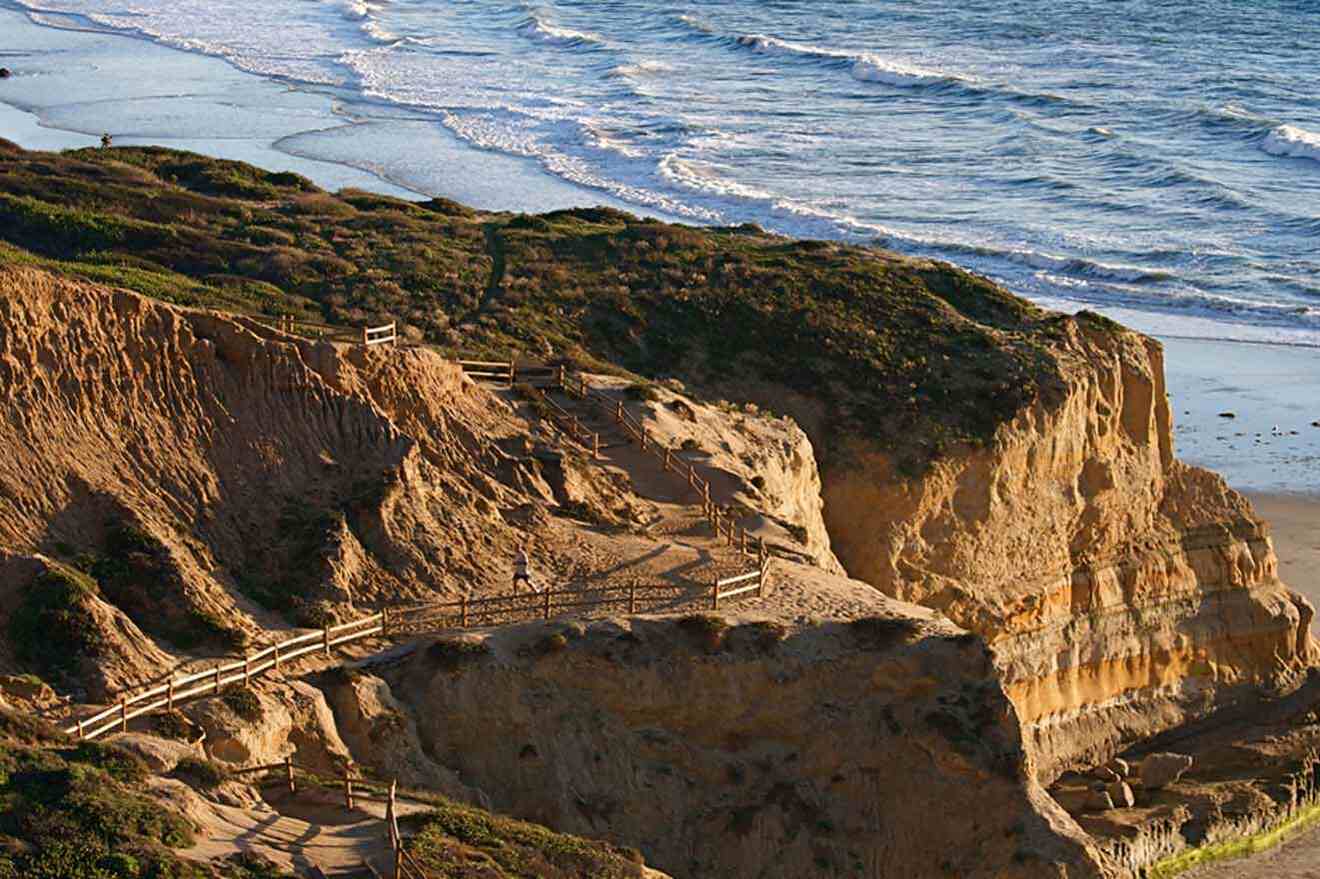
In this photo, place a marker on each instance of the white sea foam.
(640, 70)
(542, 30)
(1292, 142)
(864, 66)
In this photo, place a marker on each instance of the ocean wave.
(538, 28)
(1292, 142)
(639, 70)
(864, 66)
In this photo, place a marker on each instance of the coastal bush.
(244, 703)
(461, 842)
(916, 355)
(202, 774)
(883, 633)
(81, 813)
(452, 654)
(52, 629)
(137, 574)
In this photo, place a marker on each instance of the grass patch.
(916, 355)
(202, 774)
(459, 842)
(451, 654)
(1236, 848)
(80, 813)
(883, 633)
(705, 630)
(53, 628)
(244, 703)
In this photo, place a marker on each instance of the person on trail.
(522, 571)
(106, 141)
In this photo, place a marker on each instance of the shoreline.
(323, 133)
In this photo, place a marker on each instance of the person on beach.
(106, 140)
(522, 571)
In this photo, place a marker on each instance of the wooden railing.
(405, 866)
(382, 335)
(212, 681)
(464, 613)
(723, 525)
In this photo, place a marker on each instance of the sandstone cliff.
(1122, 591)
(743, 747)
(205, 476)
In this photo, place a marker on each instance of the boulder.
(26, 688)
(1120, 793)
(160, 754)
(1162, 770)
(1120, 767)
(1099, 801)
(1105, 774)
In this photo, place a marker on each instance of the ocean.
(1157, 161)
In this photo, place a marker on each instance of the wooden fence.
(464, 613)
(382, 335)
(405, 866)
(576, 386)
(212, 681)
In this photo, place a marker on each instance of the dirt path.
(301, 832)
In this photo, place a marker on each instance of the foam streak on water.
(1160, 159)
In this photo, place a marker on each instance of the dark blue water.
(1160, 159)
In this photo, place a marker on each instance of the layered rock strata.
(745, 748)
(1122, 590)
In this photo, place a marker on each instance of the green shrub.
(52, 629)
(706, 630)
(244, 703)
(203, 774)
(883, 633)
(452, 654)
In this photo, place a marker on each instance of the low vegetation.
(53, 629)
(460, 842)
(914, 354)
(79, 812)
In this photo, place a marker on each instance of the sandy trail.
(299, 832)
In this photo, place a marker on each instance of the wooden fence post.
(247, 670)
(643, 432)
(385, 622)
(742, 540)
(348, 788)
(218, 666)
(667, 455)
(595, 446)
(169, 694)
(546, 608)
(80, 732)
(563, 384)
(513, 371)
(366, 336)
(760, 579)
(123, 714)
(326, 639)
(632, 598)
(618, 410)
(715, 595)
(577, 428)
(288, 773)
(277, 656)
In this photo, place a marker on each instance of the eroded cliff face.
(1121, 590)
(205, 470)
(884, 747)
